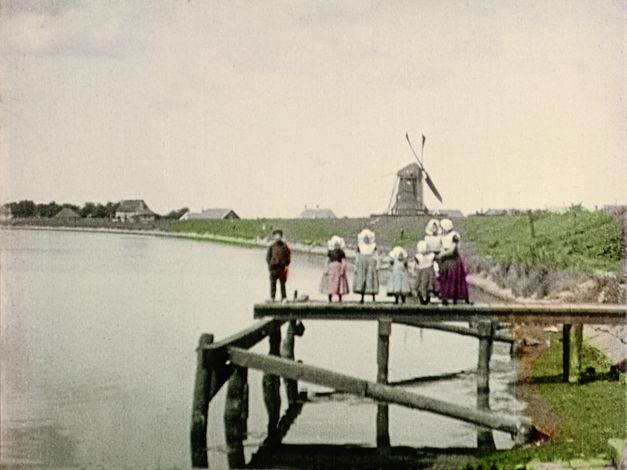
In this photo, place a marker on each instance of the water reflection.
(98, 360)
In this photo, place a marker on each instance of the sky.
(270, 106)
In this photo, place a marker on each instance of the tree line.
(27, 209)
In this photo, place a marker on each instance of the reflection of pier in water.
(229, 360)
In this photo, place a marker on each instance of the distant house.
(67, 213)
(317, 214)
(453, 213)
(134, 210)
(210, 214)
(495, 212)
(5, 212)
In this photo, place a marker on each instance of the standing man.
(278, 259)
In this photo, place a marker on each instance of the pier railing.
(229, 360)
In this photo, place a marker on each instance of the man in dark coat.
(278, 259)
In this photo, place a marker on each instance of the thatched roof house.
(210, 214)
(134, 210)
(67, 213)
(317, 214)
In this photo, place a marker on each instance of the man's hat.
(277, 230)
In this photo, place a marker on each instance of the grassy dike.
(589, 415)
(582, 241)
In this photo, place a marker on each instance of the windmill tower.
(409, 194)
(408, 191)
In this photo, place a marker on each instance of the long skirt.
(334, 280)
(366, 277)
(398, 280)
(425, 279)
(452, 283)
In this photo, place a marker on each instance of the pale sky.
(268, 106)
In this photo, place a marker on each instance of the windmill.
(408, 194)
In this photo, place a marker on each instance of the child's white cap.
(336, 242)
(398, 253)
(421, 247)
(446, 224)
(433, 227)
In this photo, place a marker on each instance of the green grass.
(583, 241)
(590, 414)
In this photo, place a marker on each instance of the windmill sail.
(428, 179)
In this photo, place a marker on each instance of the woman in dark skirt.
(452, 276)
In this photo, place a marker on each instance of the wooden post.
(485, 439)
(287, 352)
(383, 356)
(235, 414)
(200, 406)
(271, 385)
(565, 352)
(579, 346)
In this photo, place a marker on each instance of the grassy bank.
(582, 241)
(589, 415)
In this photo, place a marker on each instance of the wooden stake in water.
(271, 385)
(235, 415)
(200, 406)
(383, 355)
(287, 352)
(485, 439)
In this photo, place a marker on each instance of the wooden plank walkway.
(409, 313)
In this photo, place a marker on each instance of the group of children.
(437, 267)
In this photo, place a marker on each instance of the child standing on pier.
(278, 259)
(366, 280)
(452, 284)
(334, 279)
(425, 269)
(398, 278)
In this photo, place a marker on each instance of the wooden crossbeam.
(379, 392)
(461, 330)
(515, 313)
(216, 353)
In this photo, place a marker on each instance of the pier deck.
(541, 313)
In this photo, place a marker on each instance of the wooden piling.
(271, 385)
(383, 356)
(200, 406)
(287, 352)
(235, 415)
(579, 346)
(566, 352)
(485, 439)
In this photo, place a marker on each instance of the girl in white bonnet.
(366, 280)
(334, 280)
(425, 269)
(398, 278)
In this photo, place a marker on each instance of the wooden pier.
(229, 360)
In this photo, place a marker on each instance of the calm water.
(98, 338)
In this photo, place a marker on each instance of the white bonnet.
(432, 227)
(398, 253)
(336, 241)
(446, 224)
(421, 247)
(366, 233)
